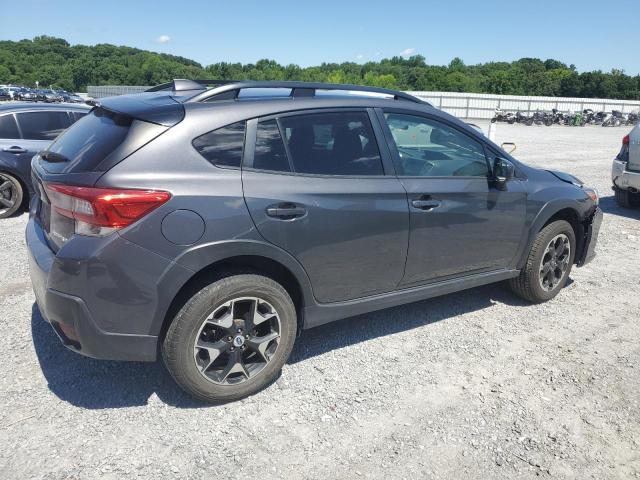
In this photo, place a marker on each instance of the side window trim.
(396, 154)
(252, 135)
(286, 146)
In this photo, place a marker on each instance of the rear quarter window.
(88, 142)
(222, 147)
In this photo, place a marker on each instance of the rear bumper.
(592, 228)
(623, 178)
(70, 317)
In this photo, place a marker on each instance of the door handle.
(14, 149)
(425, 204)
(286, 211)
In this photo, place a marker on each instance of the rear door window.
(335, 143)
(42, 125)
(87, 142)
(8, 127)
(222, 147)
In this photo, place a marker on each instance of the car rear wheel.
(626, 199)
(548, 265)
(11, 195)
(231, 338)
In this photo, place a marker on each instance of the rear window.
(222, 147)
(87, 142)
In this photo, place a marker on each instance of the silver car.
(625, 172)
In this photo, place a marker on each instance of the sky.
(588, 33)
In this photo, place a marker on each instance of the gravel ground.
(473, 385)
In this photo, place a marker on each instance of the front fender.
(581, 206)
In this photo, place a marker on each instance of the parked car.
(25, 95)
(211, 226)
(69, 97)
(48, 96)
(4, 94)
(625, 171)
(25, 129)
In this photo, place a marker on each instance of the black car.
(25, 129)
(4, 94)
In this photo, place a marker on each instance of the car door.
(315, 185)
(460, 223)
(37, 130)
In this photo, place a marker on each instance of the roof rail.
(229, 90)
(183, 85)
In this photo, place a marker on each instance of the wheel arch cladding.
(238, 264)
(561, 210)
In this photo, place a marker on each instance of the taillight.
(100, 211)
(625, 140)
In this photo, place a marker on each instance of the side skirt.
(320, 314)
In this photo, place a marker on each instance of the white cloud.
(163, 39)
(407, 52)
(360, 56)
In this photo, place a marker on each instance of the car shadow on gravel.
(362, 328)
(611, 207)
(96, 384)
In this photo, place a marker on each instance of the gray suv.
(210, 226)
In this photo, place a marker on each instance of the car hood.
(566, 177)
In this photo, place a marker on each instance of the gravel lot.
(472, 385)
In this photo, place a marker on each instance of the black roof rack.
(230, 90)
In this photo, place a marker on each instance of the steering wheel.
(407, 155)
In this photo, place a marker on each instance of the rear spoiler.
(158, 108)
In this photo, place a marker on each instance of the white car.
(625, 172)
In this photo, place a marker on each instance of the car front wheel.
(231, 339)
(548, 264)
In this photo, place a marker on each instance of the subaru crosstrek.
(210, 226)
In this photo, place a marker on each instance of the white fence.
(480, 105)
(463, 105)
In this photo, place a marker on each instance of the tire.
(529, 284)
(626, 199)
(11, 195)
(200, 318)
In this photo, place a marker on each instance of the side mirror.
(512, 145)
(503, 171)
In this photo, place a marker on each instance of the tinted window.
(332, 144)
(75, 116)
(8, 127)
(270, 153)
(222, 147)
(429, 148)
(42, 125)
(88, 142)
